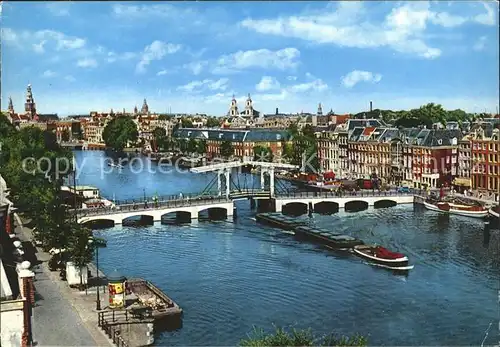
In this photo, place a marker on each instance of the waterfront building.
(485, 154)
(328, 151)
(407, 136)
(243, 141)
(463, 179)
(435, 157)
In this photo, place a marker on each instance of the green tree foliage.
(226, 149)
(160, 138)
(304, 148)
(192, 146)
(282, 337)
(213, 122)
(261, 153)
(120, 131)
(201, 146)
(34, 165)
(186, 123)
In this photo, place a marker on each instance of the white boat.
(462, 210)
(494, 211)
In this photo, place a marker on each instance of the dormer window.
(440, 142)
(220, 135)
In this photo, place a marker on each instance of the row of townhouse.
(424, 157)
(243, 142)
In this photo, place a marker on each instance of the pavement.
(62, 316)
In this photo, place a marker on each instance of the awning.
(460, 181)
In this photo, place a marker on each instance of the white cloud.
(59, 9)
(292, 78)
(48, 74)
(287, 58)
(69, 78)
(317, 85)
(113, 57)
(480, 44)
(156, 51)
(38, 47)
(220, 84)
(87, 63)
(356, 76)
(39, 39)
(196, 67)
(267, 83)
(348, 26)
(162, 72)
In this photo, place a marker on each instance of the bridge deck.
(233, 164)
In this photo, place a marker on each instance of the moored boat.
(382, 256)
(495, 211)
(462, 210)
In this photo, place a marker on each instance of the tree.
(261, 153)
(65, 135)
(191, 146)
(201, 147)
(186, 123)
(213, 122)
(119, 132)
(226, 149)
(159, 132)
(80, 251)
(282, 337)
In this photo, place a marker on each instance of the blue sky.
(193, 56)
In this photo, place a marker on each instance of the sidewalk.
(62, 316)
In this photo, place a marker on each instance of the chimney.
(277, 111)
(371, 106)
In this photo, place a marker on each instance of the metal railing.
(105, 320)
(151, 206)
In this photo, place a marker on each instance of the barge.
(329, 238)
(276, 219)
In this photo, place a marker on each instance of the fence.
(109, 322)
(343, 194)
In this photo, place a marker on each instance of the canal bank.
(230, 276)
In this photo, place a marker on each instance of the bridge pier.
(252, 203)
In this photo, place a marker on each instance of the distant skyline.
(191, 57)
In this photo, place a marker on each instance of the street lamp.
(98, 299)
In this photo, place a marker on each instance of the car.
(404, 189)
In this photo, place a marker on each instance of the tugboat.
(382, 256)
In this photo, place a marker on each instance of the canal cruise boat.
(474, 211)
(381, 256)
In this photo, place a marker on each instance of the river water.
(229, 276)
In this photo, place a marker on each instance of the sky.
(192, 57)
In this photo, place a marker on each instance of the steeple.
(249, 106)
(233, 110)
(320, 109)
(135, 110)
(29, 105)
(111, 113)
(11, 106)
(145, 108)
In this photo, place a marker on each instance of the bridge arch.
(138, 219)
(98, 223)
(213, 213)
(295, 208)
(384, 203)
(176, 217)
(326, 207)
(355, 205)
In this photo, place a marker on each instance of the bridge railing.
(148, 206)
(345, 194)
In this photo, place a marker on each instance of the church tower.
(320, 110)
(29, 105)
(249, 107)
(144, 108)
(233, 110)
(11, 107)
(135, 110)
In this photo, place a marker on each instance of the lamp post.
(98, 299)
